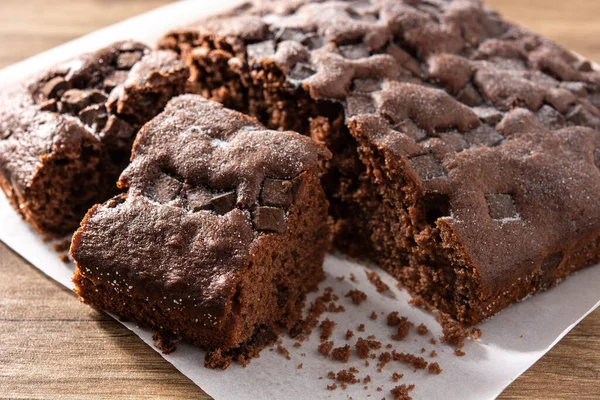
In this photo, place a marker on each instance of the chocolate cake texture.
(466, 150)
(221, 232)
(66, 135)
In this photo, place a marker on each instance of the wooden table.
(53, 347)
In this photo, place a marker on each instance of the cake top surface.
(86, 98)
(499, 121)
(205, 183)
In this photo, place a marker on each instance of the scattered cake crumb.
(361, 328)
(422, 329)
(165, 342)
(432, 341)
(388, 346)
(61, 245)
(297, 344)
(401, 392)
(367, 379)
(403, 329)
(419, 302)
(376, 281)
(325, 348)
(393, 319)
(364, 346)
(453, 332)
(434, 368)
(396, 376)
(423, 350)
(379, 389)
(384, 358)
(283, 351)
(332, 387)
(459, 352)
(476, 332)
(346, 377)
(334, 308)
(341, 353)
(373, 316)
(300, 366)
(349, 334)
(327, 327)
(415, 361)
(356, 296)
(341, 278)
(352, 277)
(64, 257)
(433, 354)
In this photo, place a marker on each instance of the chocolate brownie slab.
(220, 235)
(66, 135)
(465, 148)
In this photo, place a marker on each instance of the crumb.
(401, 392)
(352, 277)
(297, 344)
(363, 347)
(371, 337)
(346, 377)
(396, 376)
(384, 358)
(423, 350)
(64, 257)
(403, 328)
(361, 328)
(388, 346)
(433, 354)
(353, 370)
(341, 278)
(283, 351)
(332, 387)
(376, 281)
(454, 332)
(333, 308)
(165, 342)
(379, 389)
(349, 334)
(476, 332)
(61, 245)
(326, 329)
(325, 348)
(341, 353)
(418, 301)
(331, 375)
(434, 368)
(356, 296)
(367, 379)
(459, 352)
(422, 329)
(300, 366)
(367, 363)
(414, 361)
(393, 319)
(432, 341)
(373, 315)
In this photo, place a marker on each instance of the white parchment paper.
(512, 341)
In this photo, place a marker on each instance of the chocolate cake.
(466, 151)
(66, 135)
(221, 233)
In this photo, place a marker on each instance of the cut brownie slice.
(219, 237)
(407, 95)
(65, 136)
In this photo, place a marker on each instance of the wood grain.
(54, 347)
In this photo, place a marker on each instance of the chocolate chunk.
(550, 118)
(549, 266)
(301, 71)
(359, 105)
(223, 203)
(165, 188)
(49, 105)
(118, 128)
(489, 115)
(366, 85)
(128, 60)
(74, 100)
(115, 79)
(55, 87)
(262, 50)
(276, 193)
(269, 219)
(94, 116)
(501, 206)
(427, 167)
(296, 35)
(199, 199)
(355, 51)
(411, 130)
